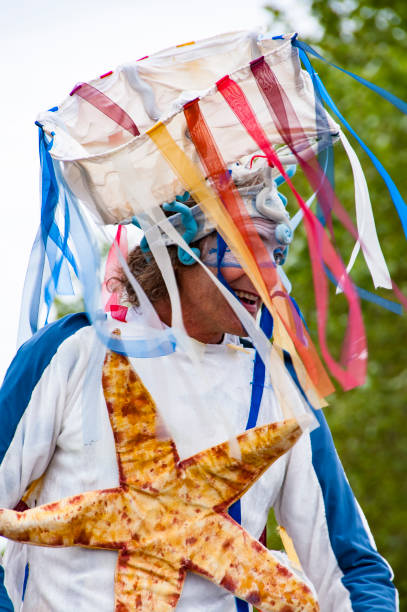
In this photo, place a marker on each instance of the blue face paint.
(275, 237)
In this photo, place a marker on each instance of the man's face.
(207, 314)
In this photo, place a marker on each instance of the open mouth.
(249, 300)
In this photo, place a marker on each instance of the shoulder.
(35, 356)
(39, 350)
(51, 336)
(35, 372)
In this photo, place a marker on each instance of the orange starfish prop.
(169, 516)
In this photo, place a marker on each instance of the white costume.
(55, 424)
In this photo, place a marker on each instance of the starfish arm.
(146, 583)
(232, 558)
(96, 519)
(215, 477)
(144, 450)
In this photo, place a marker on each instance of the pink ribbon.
(351, 371)
(111, 299)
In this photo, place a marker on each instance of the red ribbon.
(217, 171)
(111, 299)
(106, 106)
(351, 371)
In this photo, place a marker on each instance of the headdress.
(140, 139)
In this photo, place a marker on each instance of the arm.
(5, 603)
(330, 533)
(31, 414)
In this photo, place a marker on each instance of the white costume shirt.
(55, 427)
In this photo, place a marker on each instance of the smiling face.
(206, 313)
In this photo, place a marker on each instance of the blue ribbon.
(50, 244)
(397, 102)
(369, 297)
(159, 344)
(266, 324)
(326, 161)
(325, 97)
(297, 308)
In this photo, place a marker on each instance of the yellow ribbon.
(193, 180)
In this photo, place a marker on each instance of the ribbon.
(353, 373)
(50, 250)
(150, 342)
(397, 102)
(194, 182)
(106, 106)
(323, 94)
(227, 192)
(366, 225)
(362, 293)
(215, 168)
(237, 101)
(266, 324)
(111, 299)
(394, 193)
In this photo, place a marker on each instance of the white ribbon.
(368, 239)
(286, 391)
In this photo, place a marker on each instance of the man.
(56, 441)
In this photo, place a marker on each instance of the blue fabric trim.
(5, 601)
(266, 324)
(235, 512)
(26, 575)
(367, 576)
(241, 606)
(26, 370)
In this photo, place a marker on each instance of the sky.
(47, 47)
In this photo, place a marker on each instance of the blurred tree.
(63, 306)
(368, 424)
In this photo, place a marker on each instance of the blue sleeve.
(366, 575)
(22, 377)
(5, 603)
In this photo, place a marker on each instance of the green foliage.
(63, 306)
(368, 424)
